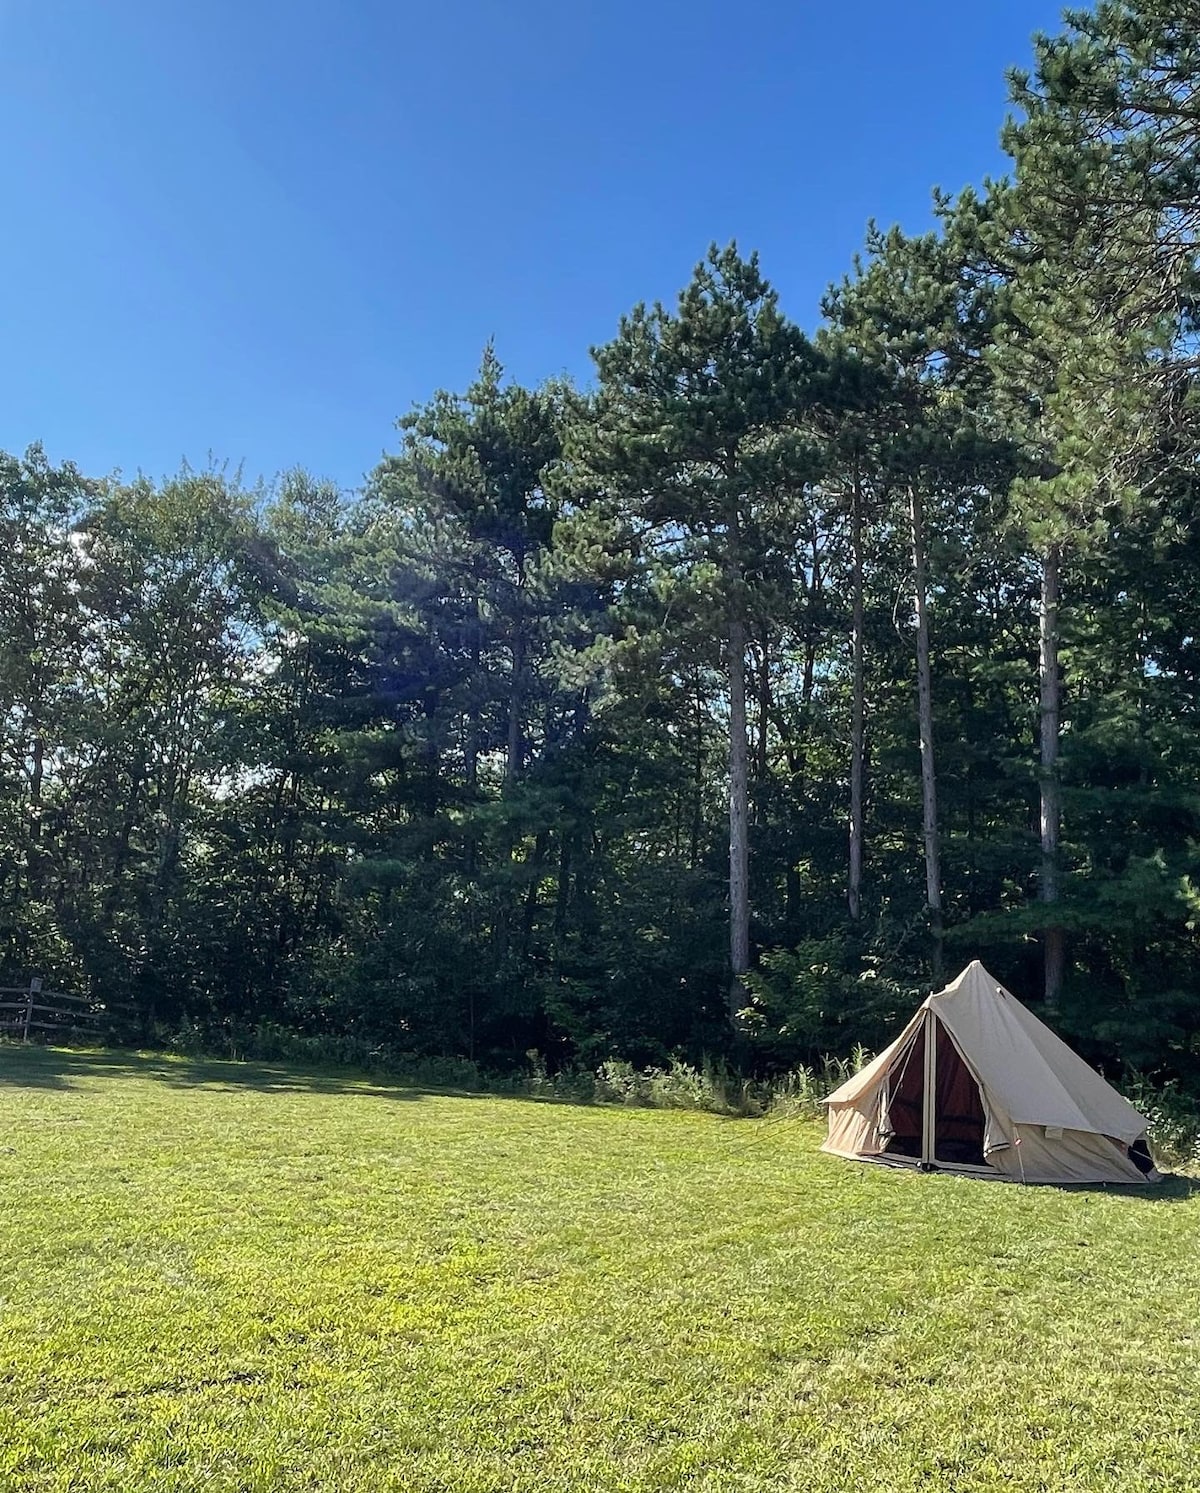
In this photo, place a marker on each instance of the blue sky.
(263, 228)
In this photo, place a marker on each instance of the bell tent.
(976, 1083)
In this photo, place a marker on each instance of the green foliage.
(822, 997)
(1174, 1120)
(678, 1087)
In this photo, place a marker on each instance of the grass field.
(229, 1277)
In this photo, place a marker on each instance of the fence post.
(35, 985)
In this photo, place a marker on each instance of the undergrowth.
(1174, 1120)
(1174, 1116)
(711, 1087)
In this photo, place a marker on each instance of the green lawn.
(225, 1276)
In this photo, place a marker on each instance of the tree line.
(719, 706)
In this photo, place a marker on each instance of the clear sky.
(263, 228)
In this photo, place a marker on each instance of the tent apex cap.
(974, 976)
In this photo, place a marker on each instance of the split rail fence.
(29, 1011)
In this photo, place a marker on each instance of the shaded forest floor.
(245, 1277)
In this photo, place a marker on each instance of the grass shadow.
(47, 1067)
(1175, 1187)
(37, 1067)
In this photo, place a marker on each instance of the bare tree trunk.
(471, 745)
(34, 859)
(697, 779)
(562, 892)
(929, 815)
(739, 845)
(857, 706)
(1054, 943)
(516, 749)
(472, 742)
(516, 740)
(816, 594)
(762, 766)
(37, 773)
(431, 788)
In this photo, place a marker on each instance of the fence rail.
(26, 1010)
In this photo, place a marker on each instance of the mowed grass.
(237, 1277)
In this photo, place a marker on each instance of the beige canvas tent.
(976, 1083)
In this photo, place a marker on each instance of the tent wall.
(854, 1132)
(1072, 1156)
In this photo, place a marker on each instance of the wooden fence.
(28, 1010)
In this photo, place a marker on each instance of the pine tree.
(698, 440)
(1098, 236)
(918, 315)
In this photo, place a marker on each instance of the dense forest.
(718, 707)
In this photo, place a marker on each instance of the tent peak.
(974, 980)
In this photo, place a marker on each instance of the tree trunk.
(515, 762)
(471, 753)
(762, 766)
(562, 893)
(120, 860)
(857, 707)
(432, 787)
(697, 779)
(933, 873)
(471, 745)
(34, 849)
(1051, 804)
(739, 847)
(516, 751)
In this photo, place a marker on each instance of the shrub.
(1174, 1118)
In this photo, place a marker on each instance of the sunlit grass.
(234, 1277)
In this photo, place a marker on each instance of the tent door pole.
(929, 1109)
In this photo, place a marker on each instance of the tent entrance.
(905, 1100)
(958, 1117)
(934, 1110)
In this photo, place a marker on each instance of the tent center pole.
(929, 1109)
